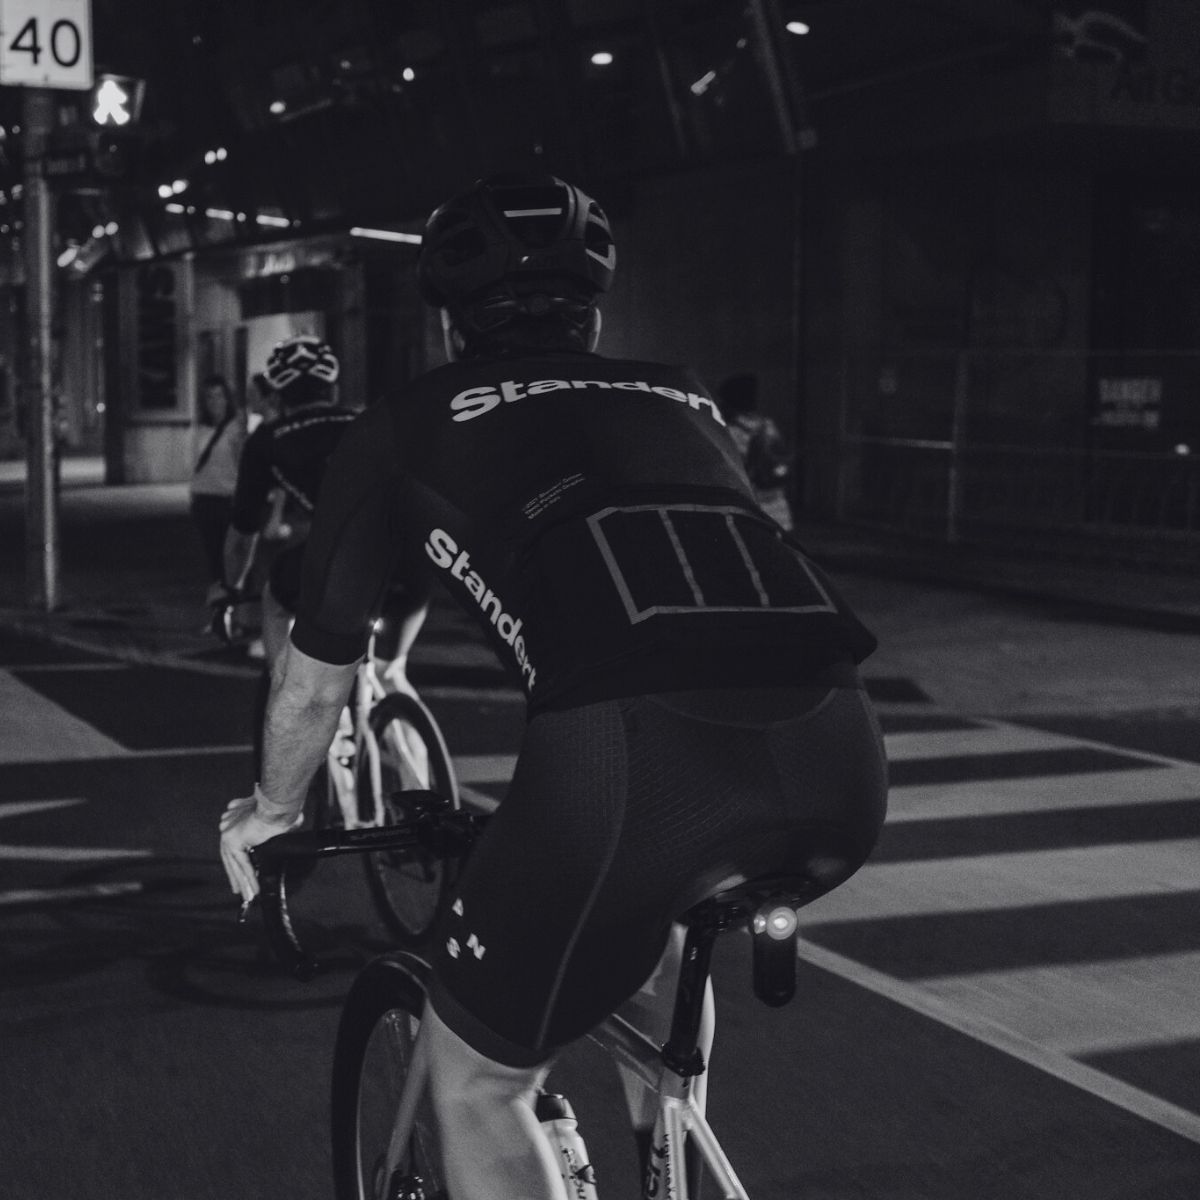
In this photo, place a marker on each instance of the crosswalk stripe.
(986, 883)
(1053, 1062)
(956, 743)
(1049, 1014)
(484, 768)
(1038, 793)
(35, 729)
(67, 853)
(1086, 1008)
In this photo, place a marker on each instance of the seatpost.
(682, 1054)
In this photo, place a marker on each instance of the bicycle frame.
(368, 690)
(678, 1115)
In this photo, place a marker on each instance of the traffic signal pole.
(41, 487)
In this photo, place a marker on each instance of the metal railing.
(1092, 497)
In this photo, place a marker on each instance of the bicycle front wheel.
(403, 750)
(373, 1061)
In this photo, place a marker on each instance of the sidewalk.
(1141, 596)
(131, 578)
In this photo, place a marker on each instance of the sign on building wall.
(1127, 63)
(1129, 403)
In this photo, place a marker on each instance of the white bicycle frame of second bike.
(355, 724)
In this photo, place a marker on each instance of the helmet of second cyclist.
(518, 261)
(302, 369)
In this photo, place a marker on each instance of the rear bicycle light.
(773, 929)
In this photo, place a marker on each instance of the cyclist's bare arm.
(307, 696)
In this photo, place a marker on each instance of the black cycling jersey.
(592, 514)
(289, 452)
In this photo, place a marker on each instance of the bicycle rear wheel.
(373, 1058)
(403, 750)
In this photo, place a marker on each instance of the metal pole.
(957, 445)
(41, 487)
(764, 22)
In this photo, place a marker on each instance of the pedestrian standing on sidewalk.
(215, 474)
(763, 450)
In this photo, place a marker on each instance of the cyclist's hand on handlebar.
(241, 829)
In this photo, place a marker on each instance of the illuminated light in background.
(218, 214)
(704, 83)
(274, 222)
(408, 74)
(97, 231)
(277, 107)
(1183, 448)
(180, 185)
(386, 235)
(165, 190)
(68, 256)
(112, 228)
(799, 28)
(602, 58)
(112, 104)
(176, 208)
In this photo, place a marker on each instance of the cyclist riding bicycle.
(279, 478)
(695, 714)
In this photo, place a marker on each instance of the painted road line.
(955, 743)
(1038, 793)
(484, 768)
(21, 808)
(454, 654)
(488, 695)
(189, 751)
(44, 668)
(91, 891)
(480, 801)
(20, 853)
(34, 729)
(1000, 737)
(981, 1029)
(67, 854)
(1086, 1008)
(990, 882)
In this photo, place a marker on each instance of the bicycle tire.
(371, 1058)
(409, 888)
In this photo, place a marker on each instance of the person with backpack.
(764, 452)
(215, 475)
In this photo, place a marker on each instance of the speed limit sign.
(46, 43)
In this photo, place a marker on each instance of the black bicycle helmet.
(300, 357)
(529, 234)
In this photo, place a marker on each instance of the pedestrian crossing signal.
(115, 101)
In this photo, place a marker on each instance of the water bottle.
(558, 1120)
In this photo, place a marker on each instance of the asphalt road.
(1000, 1005)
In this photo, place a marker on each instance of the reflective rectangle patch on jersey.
(696, 558)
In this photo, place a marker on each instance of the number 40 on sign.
(46, 43)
